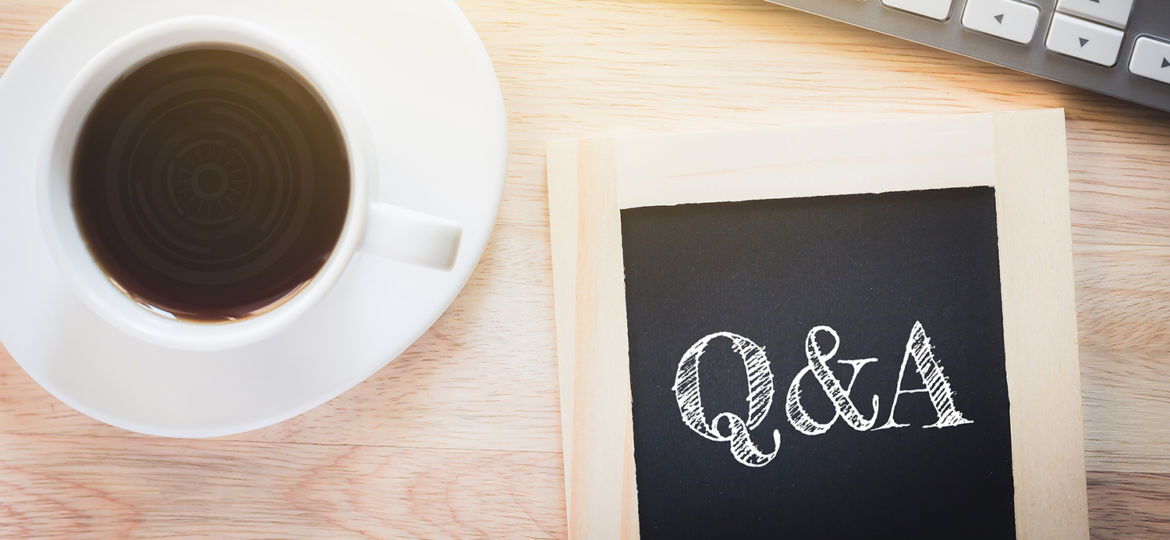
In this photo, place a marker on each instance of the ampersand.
(837, 394)
(759, 399)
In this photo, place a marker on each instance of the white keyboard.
(1119, 48)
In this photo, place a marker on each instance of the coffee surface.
(210, 184)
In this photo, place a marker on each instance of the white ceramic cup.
(371, 226)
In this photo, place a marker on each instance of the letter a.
(935, 383)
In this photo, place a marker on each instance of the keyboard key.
(1112, 12)
(1151, 59)
(1008, 19)
(935, 9)
(1082, 39)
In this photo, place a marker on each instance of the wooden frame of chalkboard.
(1022, 156)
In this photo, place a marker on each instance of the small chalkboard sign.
(850, 346)
(862, 331)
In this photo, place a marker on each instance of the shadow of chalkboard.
(871, 267)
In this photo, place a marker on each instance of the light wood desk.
(461, 435)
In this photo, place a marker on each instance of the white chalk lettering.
(759, 399)
(837, 394)
(760, 392)
(935, 384)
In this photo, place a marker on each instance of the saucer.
(405, 63)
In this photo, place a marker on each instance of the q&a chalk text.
(820, 347)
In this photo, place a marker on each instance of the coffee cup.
(168, 207)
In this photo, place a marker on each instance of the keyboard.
(1119, 48)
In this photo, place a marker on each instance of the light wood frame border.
(1023, 155)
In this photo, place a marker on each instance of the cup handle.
(404, 235)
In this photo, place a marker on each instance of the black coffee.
(211, 183)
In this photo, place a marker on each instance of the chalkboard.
(729, 303)
(860, 330)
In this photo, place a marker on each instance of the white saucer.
(406, 62)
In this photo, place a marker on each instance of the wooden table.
(461, 435)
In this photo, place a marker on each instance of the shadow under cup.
(210, 183)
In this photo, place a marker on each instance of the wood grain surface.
(460, 437)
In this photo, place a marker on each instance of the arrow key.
(1151, 59)
(1085, 40)
(1007, 19)
(1111, 12)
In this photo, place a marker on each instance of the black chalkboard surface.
(889, 298)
